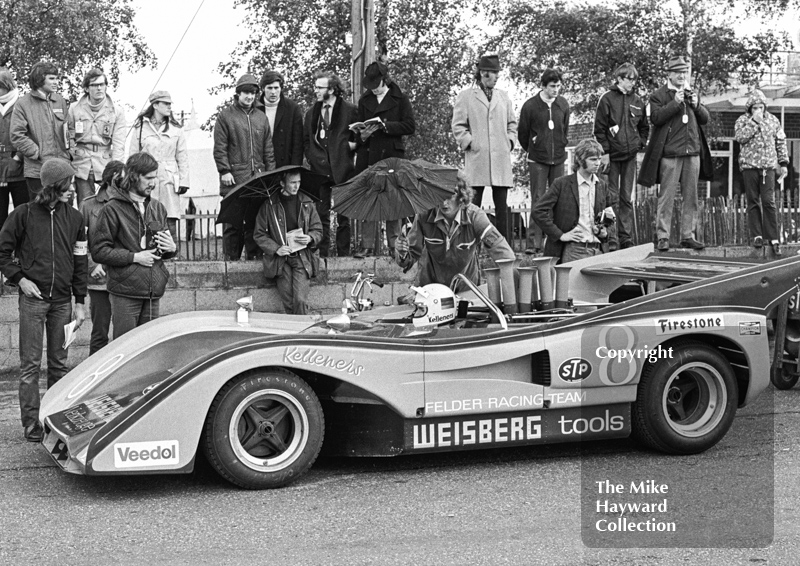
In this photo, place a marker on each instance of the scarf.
(7, 101)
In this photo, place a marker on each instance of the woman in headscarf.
(12, 180)
(159, 134)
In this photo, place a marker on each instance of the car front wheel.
(685, 403)
(264, 430)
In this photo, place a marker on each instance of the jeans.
(101, 319)
(36, 316)
(84, 188)
(621, 177)
(762, 215)
(678, 173)
(128, 313)
(500, 198)
(293, 283)
(542, 176)
(574, 250)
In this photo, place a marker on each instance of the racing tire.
(783, 378)
(685, 404)
(264, 430)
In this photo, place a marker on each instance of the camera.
(152, 243)
(601, 224)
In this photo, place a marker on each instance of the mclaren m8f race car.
(260, 396)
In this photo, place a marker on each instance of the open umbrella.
(395, 188)
(254, 191)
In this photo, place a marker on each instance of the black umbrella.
(254, 191)
(395, 188)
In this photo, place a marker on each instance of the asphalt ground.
(737, 503)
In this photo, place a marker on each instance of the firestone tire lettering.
(685, 404)
(264, 430)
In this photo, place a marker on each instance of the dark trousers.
(128, 313)
(542, 176)
(35, 317)
(342, 229)
(18, 192)
(293, 284)
(239, 236)
(621, 176)
(34, 187)
(500, 198)
(762, 214)
(101, 319)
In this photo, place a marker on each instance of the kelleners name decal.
(312, 357)
(688, 323)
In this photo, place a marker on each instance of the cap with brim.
(160, 96)
(489, 63)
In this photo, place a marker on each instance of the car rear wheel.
(685, 403)
(264, 430)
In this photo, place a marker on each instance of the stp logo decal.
(575, 369)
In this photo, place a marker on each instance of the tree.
(589, 42)
(75, 35)
(423, 43)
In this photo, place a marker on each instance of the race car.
(260, 396)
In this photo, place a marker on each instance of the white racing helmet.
(435, 304)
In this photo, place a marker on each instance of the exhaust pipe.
(507, 286)
(528, 289)
(562, 287)
(546, 272)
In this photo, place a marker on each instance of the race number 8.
(95, 377)
(605, 371)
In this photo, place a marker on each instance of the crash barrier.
(721, 221)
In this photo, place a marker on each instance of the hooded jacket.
(270, 232)
(625, 111)
(542, 144)
(38, 130)
(763, 144)
(50, 250)
(10, 168)
(242, 143)
(121, 232)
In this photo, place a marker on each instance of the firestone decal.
(146, 454)
(575, 369)
(688, 323)
(295, 355)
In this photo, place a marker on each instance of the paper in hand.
(291, 240)
(69, 333)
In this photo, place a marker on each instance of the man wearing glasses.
(620, 125)
(97, 130)
(330, 146)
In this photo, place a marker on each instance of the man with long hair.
(48, 238)
(132, 239)
(570, 223)
(37, 124)
(445, 240)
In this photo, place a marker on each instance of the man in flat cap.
(677, 153)
(485, 127)
(242, 149)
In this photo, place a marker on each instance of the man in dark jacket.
(285, 120)
(38, 124)
(677, 153)
(383, 100)
(542, 132)
(288, 229)
(568, 210)
(48, 238)
(329, 146)
(242, 149)
(620, 125)
(132, 240)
